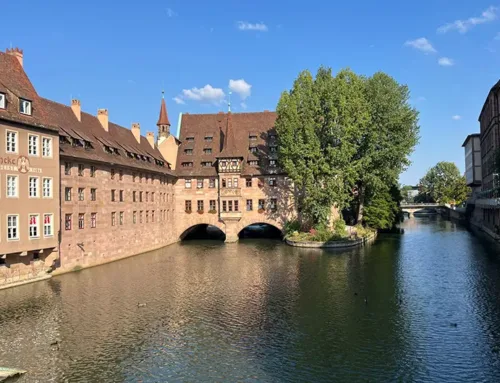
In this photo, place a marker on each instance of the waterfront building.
(29, 177)
(472, 148)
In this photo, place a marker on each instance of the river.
(418, 307)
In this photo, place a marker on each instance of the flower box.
(188, 211)
(212, 212)
(200, 211)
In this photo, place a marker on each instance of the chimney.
(17, 53)
(136, 131)
(76, 108)
(102, 116)
(151, 139)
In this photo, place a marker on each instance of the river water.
(260, 311)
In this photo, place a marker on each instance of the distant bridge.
(412, 208)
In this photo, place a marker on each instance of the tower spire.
(163, 122)
(229, 102)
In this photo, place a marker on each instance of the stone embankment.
(341, 244)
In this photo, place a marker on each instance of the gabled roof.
(15, 84)
(90, 129)
(199, 126)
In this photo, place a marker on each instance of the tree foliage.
(382, 210)
(344, 139)
(443, 183)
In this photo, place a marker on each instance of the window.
(81, 194)
(273, 204)
(206, 164)
(33, 187)
(133, 196)
(272, 181)
(224, 205)
(113, 191)
(140, 196)
(2, 100)
(236, 205)
(188, 152)
(190, 139)
(248, 182)
(25, 106)
(262, 204)
(12, 186)
(249, 205)
(153, 216)
(230, 205)
(67, 168)
(272, 136)
(32, 145)
(121, 195)
(147, 196)
(200, 205)
(211, 183)
(113, 218)
(67, 194)
(272, 163)
(147, 216)
(48, 228)
(235, 182)
(67, 221)
(224, 184)
(187, 183)
(11, 142)
(252, 137)
(199, 183)
(46, 147)
(121, 218)
(212, 205)
(209, 138)
(120, 175)
(134, 217)
(80, 169)
(140, 216)
(81, 221)
(152, 196)
(188, 206)
(187, 164)
(253, 162)
(12, 227)
(93, 194)
(273, 149)
(253, 149)
(112, 174)
(47, 188)
(207, 151)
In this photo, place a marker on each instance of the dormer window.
(190, 139)
(25, 107)
(272, 136)
(188, 152)
(206, 164)
(273, 149)
(2, 100)
(253, 162)
(207, 151)
(272, 163)
(253, 149)
(252, 137)
(209, 138)
(187, 164)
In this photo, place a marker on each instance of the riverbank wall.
(334, 244)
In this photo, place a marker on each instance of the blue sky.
(121, 56)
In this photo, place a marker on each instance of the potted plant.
(260, 211)
(200, 211)
(213, 211)
(188, 211)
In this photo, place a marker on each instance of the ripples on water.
(260, 311)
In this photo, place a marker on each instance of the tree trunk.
(361, 204)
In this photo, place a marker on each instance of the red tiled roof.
(15, 84)
(90, 129)
(229, 147)
(163, 119)
(198, 126)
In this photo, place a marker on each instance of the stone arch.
(183, 232)
(242, 224)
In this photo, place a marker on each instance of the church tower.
(163, 122)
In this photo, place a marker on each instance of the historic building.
(29, 177)
(228, 173)
(78, 190)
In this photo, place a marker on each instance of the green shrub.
(292, 226)
(339, 228)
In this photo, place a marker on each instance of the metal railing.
(490, 193)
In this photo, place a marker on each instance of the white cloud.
(421, 44)
(462, 26)
(207, 94)
(246, 26)
(240, 87)
(445, 61)
(170, 12)
(243, 105)
(456, 117)
(179, 100)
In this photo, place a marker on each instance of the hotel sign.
(20, 164)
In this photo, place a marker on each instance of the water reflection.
(419, 307)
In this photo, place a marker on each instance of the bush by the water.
(322, 233)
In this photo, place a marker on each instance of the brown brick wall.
(104, 243)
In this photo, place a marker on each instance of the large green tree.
(340, 136)
(443, 183)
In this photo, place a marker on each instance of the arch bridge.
(412, 208)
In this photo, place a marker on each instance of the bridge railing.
(490, 193)
(406, 204)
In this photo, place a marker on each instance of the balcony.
(230, 192)
(488, 198)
